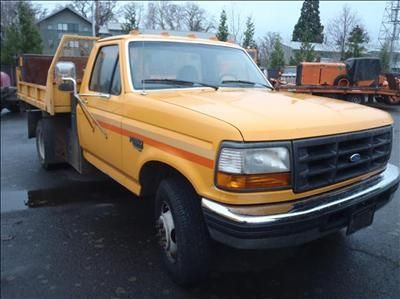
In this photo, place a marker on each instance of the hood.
(266, 115)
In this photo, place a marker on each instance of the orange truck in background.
(194, 125)
(357, 80)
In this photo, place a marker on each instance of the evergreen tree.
(30, 40)
(292, 61)
(22, 36)
(357, 39)
(309, 23)
(10, 45)
(277, 59)
(306, 52)
(248, 40)
(222, 33)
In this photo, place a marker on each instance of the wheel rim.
(41, 145)
(166, 232)
(343, 82)
(355, 99)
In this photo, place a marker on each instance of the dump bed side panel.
(35, 74)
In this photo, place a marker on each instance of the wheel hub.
(166, 232)
(355, 99)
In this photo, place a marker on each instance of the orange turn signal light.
(242, 182)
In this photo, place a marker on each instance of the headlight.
(253, 168)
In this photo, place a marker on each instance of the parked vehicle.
(8, 94)
(194, 125)
(358, 80)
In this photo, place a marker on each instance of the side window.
(105, 76)
(116, 82)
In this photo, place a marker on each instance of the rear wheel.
(181, 231)
(355, 98)
(45, 146)
(391, 100)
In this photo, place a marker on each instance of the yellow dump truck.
(194, 125)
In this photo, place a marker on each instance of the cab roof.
(165, 36)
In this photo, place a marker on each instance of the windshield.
(165, 65)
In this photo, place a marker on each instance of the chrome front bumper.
(279, 224)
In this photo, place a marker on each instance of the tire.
(43, 146)
(355, 98)
(342, 80)
(181, 231)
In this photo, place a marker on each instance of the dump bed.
(35, 74)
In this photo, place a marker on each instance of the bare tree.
(166, 15)
(339, 28)
(266, 46)
(174, 15)
(104, 13)
(196, 19)
(151, 16)
(169, 16)
(8, 13)
(83, 7)
(236, 23)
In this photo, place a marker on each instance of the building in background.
(69, 21)
(60, 22)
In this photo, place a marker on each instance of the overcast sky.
(281, 16)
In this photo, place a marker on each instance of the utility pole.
(93, 19)
(389, 34)
(97, 16)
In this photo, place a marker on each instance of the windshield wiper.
(247, 82)
(178, 82)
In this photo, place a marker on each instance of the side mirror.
(65, 69)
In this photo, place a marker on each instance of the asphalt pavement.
(68, 236)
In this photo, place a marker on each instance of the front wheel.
(181, 231)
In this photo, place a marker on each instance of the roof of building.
(105, 29)
(62, 9)
(317, 47)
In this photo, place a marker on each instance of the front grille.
(323, 161)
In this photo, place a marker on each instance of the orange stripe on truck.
(161, 146)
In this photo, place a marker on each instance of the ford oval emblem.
(355, 157)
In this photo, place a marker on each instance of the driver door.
(103, 99)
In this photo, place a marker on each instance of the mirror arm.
(86, 112)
